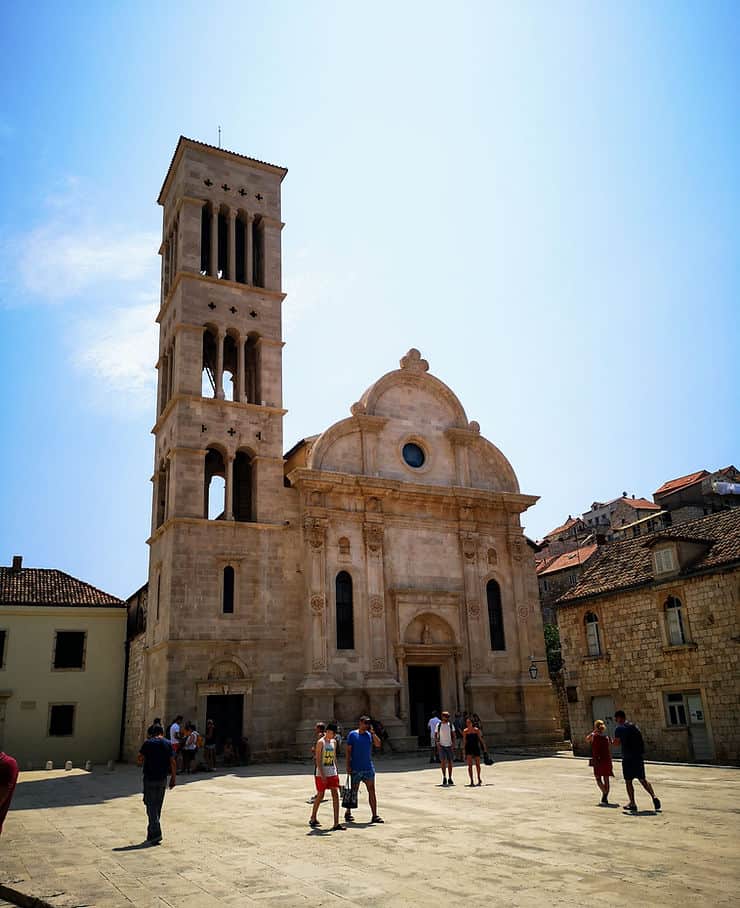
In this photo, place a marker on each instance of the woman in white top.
(326, 776)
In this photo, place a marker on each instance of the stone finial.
(358, 408)
(474, 426)
(413, 361)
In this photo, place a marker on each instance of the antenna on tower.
(219, 136)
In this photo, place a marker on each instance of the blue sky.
(545, 200)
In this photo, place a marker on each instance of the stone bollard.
(110, 765)
(68, 765)
(88, 765)
(49, 764)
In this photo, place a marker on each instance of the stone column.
(476, 637)
(249, 252)
(231, 263)
(214, 241)
(220, 365)
(229, 490)
(401, 667)
(240, 370)
(373, 532)
(315, 531)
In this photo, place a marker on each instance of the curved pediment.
(410, 426)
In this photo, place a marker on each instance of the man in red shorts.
(8, 778)
(327, 775)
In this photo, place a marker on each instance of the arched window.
(228, 590)
(162, 480)
(231, 378)
(223, 245)
(252, 388)
(205, 239)
(593, 638)
(241, 498)
(257, 254)
(675, 621)
(215, 485)
(240, 264)
(345, 617)
(495, 615)
(210, 355)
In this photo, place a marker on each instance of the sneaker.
(630, 808)
(656, 803)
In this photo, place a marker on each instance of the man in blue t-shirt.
(359, 752)
(629, 737)
(157, 759)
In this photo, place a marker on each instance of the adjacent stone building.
(696, 494)
(377, 567)
(653, 627)
(61, 668)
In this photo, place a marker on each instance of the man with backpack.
(633, 764)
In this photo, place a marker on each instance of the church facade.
(377, 567)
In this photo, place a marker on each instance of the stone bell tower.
(220, 513)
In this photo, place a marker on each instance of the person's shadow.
(144, 844)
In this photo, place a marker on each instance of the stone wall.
(638, 667)
(135, 721)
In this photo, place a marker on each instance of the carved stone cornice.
(463, 436)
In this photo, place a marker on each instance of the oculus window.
(413, 455)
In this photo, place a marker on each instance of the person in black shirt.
(633, 764)
(157, 759)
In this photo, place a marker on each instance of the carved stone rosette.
(376, 606)
(378, 665)
(317, 603)
(474, 609)
(523, 611)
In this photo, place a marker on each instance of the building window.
(675, 709)
(495, 615)
(344, 546)
(413, 454)
(3, 638)
(674, 621)
(593, 638)
(228, 592)
(345, 616)
(61, 720)
(69, 649)
(664, 561)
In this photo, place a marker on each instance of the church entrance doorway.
(424, 698)
(227, 711)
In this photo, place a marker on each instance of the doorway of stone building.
(227, 711)
(603, 708)
(424, 698)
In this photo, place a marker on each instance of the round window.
(413, 455)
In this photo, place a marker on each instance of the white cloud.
(58, 262)
(120, 350)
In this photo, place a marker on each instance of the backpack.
(200, 740)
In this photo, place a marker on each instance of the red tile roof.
(568, 560)
(45, 586)
(674, 485)
(629, 564)
(641, 504)
(562, 529)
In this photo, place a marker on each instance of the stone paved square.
(533, 834)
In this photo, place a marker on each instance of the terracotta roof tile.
(641, 504)
(568, 560)
(45, 586)
(628, 564)
(562, 529)
(673, 485)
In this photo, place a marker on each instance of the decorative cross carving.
(233, 310)
(211, 305)
(254, 314)
(242, 191)
(258, 436)
(225, 187)
(208, 182)
(203, 428)
(232, 431)
(259, 197)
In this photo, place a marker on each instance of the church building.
(379, 566)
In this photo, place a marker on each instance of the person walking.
(601, 758)
(8, 781)
(176, 738)
(326, 776)
(157, 760)
(359, 757)
(629, 737)
(473, 745)
(190, 747)
(432, 726)
(445, 740)
(319, 731)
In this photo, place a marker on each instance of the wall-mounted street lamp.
(534, 671)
